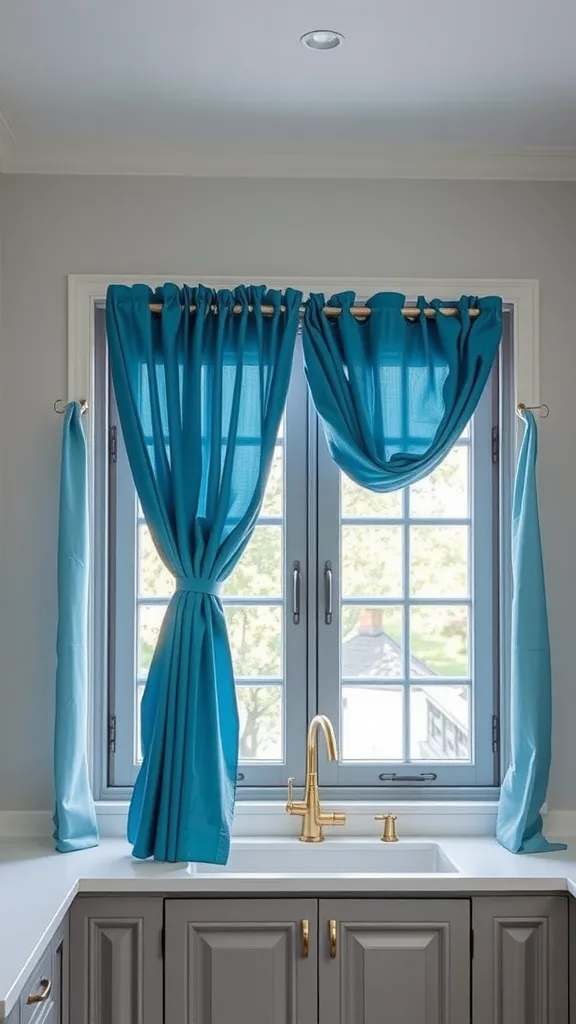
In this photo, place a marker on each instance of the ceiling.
(141, 86)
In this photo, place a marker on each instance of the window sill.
(269, 817)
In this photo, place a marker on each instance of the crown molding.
(376, 161)
(7, 144)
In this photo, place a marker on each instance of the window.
(406, 625)
(379, 610)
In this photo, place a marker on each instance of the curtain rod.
(334, 311)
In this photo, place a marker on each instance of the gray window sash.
(483, 620)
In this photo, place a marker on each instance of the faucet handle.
(389, 831)
(295, 806)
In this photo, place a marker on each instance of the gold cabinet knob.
(389, 834)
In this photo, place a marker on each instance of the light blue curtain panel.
(395, 393)
(523, 792)
(200, 398)
(74, 814)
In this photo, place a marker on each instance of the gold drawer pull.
(41, 997)
(305, 938)
(332, 938)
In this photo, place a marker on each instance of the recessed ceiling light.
(321, 40)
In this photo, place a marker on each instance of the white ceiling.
(86, 82)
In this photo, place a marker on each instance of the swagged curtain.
(200, 399)
(523, 792)
(394, 393)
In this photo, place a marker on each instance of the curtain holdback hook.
(60, 401)
(522, 407)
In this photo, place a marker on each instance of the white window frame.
(85, 292)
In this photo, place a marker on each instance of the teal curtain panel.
(395, 393)
(75, 825)
(523, 792)
(200, 399)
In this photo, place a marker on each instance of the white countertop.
(38, 885)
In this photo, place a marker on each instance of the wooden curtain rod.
(334, 311)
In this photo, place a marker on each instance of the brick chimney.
(370, 622)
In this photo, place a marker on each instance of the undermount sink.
(332, 857)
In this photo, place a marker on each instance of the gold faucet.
(309, 808)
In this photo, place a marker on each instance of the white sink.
(332, 857)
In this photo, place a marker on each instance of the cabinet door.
(396, 960)
(60, 973)
(520, 965)
(116, 960)
(240, 960)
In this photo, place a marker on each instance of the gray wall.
(50, 227)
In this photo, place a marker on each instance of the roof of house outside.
(369, 652)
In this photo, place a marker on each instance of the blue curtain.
(519, 825)
(200, 398)
(74, 814)
(395, 394)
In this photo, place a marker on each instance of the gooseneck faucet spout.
(309, 809)
(324, 723)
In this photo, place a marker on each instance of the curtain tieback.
(197, 585)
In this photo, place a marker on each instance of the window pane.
(371, 561)
(357, 501)
(372, 723)
(150, 618)
(154, 579)
(439, 561)
(439, 641)
(272, 504)
(372, 642)
(261, 723)
(256, 640)
(440, 723)
(259, 571)
(445, 491)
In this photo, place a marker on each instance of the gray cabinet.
(116, 968)
(241, 960)
(308, 961)
(520, 965)
(401, 961)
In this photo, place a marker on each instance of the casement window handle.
(296, 592)
(328, 592)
